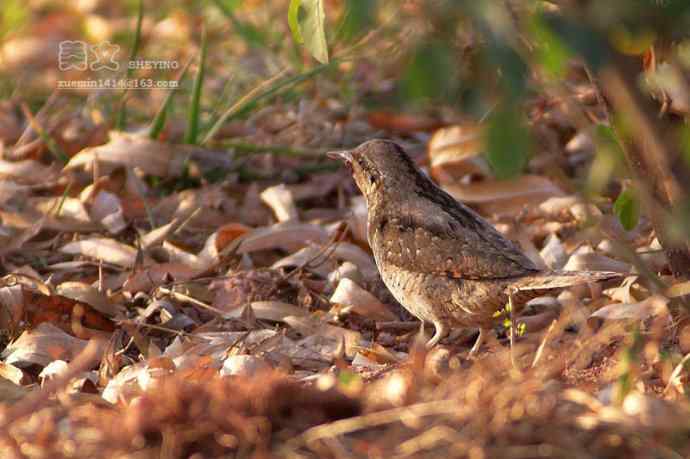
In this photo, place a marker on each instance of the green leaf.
(359, 18)
(627, 209)
(513, 69)
(507, 143)
(580, 38)
(419, 83)
(309, 29)
(550, 50)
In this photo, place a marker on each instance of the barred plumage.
(441, 260)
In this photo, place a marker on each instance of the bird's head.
(379, 166)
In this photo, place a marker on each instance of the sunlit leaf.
(293, 20)
(309, 29)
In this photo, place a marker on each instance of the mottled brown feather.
(442, 261)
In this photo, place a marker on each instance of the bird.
(441, 260)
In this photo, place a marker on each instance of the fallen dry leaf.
(85, 293)
(107, 250)
(588, 260)
(42, 345)
(11, 306)
(152, 276)
(27, 171)
(107, 210)
(275, 311)
(133, 151)
(455, 152)
(280, 199)
(11, 373)
(654, 306)
(287, 236)
(505, 196)
(243, 365)
(362, 302)
(312, 326)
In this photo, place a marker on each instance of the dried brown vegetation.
(161, 299)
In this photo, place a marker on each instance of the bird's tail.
(560, 279)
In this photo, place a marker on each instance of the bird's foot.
(477, 344)
(441, 331)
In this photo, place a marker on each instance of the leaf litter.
(246, 317)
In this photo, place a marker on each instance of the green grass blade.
(158, 122)
(52, 146)
(192, 132)
(263, 91)
(122, 111)
(248, 32)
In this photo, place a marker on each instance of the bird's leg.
(420, 334)
(478, 343)
(511, 292)
(441, 331)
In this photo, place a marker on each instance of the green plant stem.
(259, 94)
(122, 111)
(247, 149)
(249, 174)
(192, 133)
(158, 122)
(52, 146)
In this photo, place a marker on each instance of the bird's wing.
(442, 236)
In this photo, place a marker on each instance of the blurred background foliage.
(485, 62)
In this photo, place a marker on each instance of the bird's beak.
(342, 155)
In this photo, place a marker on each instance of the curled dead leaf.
(280, 199)
(654, 306)
(288, 236)
(85, 293)
(275, 311)
(150, 277)
(243, 365)
(505, 196)
(11, 306)
(308, 326)
(132, 151)
(341, 251)
(456, 151)
(361, 301)
(587, 260)
(42, 345)
(29, 171)
(106, 208)
(107, 250)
